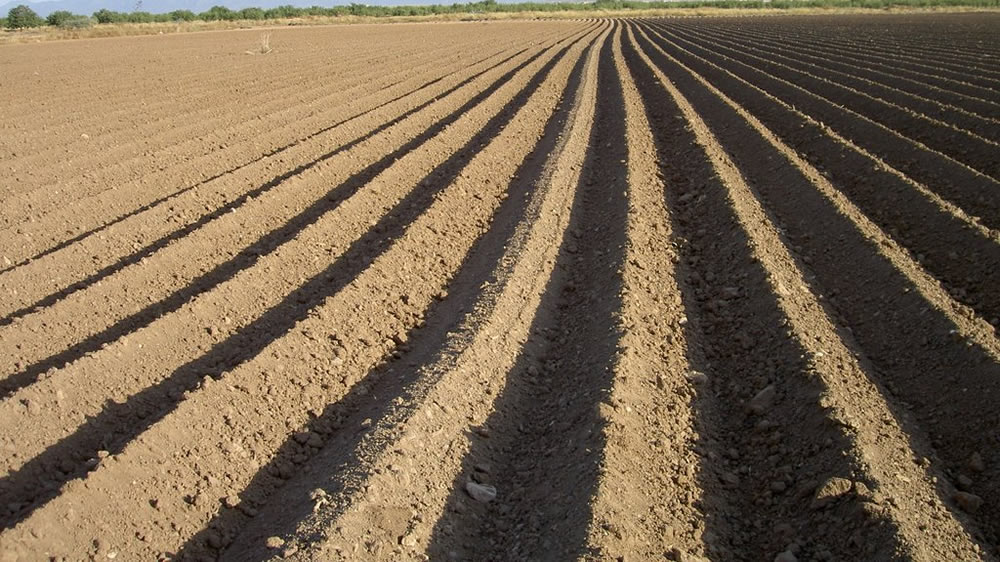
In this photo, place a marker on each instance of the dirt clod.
(785, 556)
(831, 490)
(968, 502)
(481, 492)
(274, 542)
(763, 400)
(976, 463)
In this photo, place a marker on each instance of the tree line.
(23, 17)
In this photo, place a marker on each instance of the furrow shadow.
(911, 343)
(912, 126)
(945, 176)
(183, 231)
(388, 395)
(544, 439)
(764, 461)
(40, 479)
(927, 230)
(249, 255)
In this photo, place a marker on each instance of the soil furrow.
(56, 273)
(889, 294)
(964, 64)
(495, 295)
(273, 312)
(955, 145)
(110, 206)
(426, 238)
(166, 146)
(255, 158)
(958, 78)
(951, 180)
(32, 281)
(645, 501)
(198, 148)
(687, 288)
(919, 107)
(886, 65)
(201, 100)
(770, 345)
(540, 446)
(833, 59)
(89, 332)
(166, 133)
(913, 32)
(890, 201)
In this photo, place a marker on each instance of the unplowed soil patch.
(682, 289)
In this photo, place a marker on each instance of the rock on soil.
(481, 492)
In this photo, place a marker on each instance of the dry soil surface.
(684, 289)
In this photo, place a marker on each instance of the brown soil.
(684, 289)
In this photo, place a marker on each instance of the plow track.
(684, 289)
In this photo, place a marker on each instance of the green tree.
(217, 13)
(183, 15)
(139, 17)
(250, 14)
(58, 18)
(20, 17)
(107, 16)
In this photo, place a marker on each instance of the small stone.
(785, 557)
(249, 510)
(697, 377)
(214, 540)
(84, 136)
(409, 539)
(33, 407)
(831, 490)
(481, 492)
(482, 467)
(778, 486)
(729, 478)
(964, 482)
(275, 542)
(763, 401)
(976, 463)
(968, 502)
(232, 500)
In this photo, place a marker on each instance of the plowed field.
(677, 289)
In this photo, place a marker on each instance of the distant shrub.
(182, 15)
(217, 13)
(22, 17)
(140, 17)
(281, 12)
(76, 22)
(107, 16)
(250, 14)
(58, 17)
